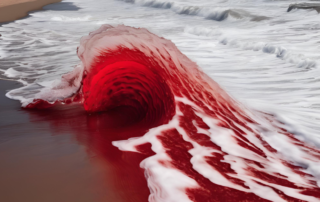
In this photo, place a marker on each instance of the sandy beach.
(14, 9)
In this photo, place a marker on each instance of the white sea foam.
(245, 43)
(2, 53)
(71, 19)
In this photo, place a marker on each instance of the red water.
(138, 82)
(123, 175)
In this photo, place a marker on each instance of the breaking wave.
(299, 60)
(217, 14)
(205, 146)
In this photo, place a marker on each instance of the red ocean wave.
(201, 144)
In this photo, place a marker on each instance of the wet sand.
(14, 9)
(64, 154)
(38, 163)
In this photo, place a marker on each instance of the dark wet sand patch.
(64, 154)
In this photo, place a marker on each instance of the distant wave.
(217, 14)
(309, 6)
(280, 52)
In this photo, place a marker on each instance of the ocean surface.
(264, 57)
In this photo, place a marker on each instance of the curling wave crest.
(205, 145)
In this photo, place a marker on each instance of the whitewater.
(247, 132)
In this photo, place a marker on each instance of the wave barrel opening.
(122, 79)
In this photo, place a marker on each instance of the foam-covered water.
(262, 55)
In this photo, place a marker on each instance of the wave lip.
(205, 146)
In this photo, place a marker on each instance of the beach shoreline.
(13, 10)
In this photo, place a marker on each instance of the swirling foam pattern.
(204, 145)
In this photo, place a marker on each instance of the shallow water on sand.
(64, 154)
